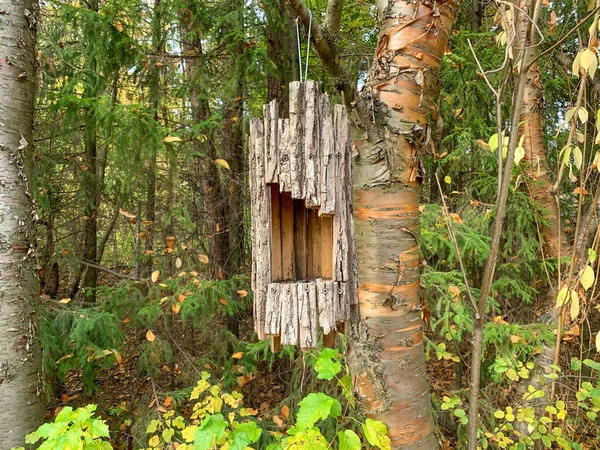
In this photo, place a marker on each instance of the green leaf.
(592, 365)
(244, 434)
(346, 384)
(167, 434)
(376, 434)
(493, 142)
(591, 255)
(575, 363)
(577, 155)
(210, 431)
(327, 368)
(586, 277)
(349, 440)
(153, 426)
(316, 406)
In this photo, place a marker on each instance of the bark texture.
(387, 355)
(21, 408)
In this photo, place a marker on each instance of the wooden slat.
(312, 139)
(276, 245)
(329, 339)
(273, 310)
(307, 314)
(325, 306)
(300, 241)
(272, 158)
(289, 314)
(285, 182)
(327, 152)
(327, 247)
(314, 245)
(287, 236)
(254, 124)
(341, 218)
(344, 140)
(296, 142)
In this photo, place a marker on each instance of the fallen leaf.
(243, 293)
(278, 421)
(176, 307)
(285, 411)
(237, 355)
(222, 163)
(168, 402)
(118, 26)
(223, 301)
(456, 218)
(169, 139)
(181, 298)
(64, 251)
(203, 259)
(178, 263)
(64, 301)
(126, 214)
(514, 338)
(155, 276)
(150, 336)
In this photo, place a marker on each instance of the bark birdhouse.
(303, 253)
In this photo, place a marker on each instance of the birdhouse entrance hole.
(302, 241)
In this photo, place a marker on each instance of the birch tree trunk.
(21, 408)
(389, 361)
(392, 114)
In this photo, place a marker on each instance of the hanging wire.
(307, 46)
(299, 51)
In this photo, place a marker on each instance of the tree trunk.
(386, 353)
(388, 356)
(233, 147)
(215, 207)
(89, 178)
(21, 408)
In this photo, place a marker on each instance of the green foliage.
(89, 338)
(72, 430)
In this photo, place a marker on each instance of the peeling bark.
(21, 408)
(387, 355)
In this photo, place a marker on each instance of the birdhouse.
(303, 251)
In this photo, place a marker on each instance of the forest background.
(138, 176)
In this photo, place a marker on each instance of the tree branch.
(332, 63)
(334, 16)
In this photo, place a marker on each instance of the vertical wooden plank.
(329, 340)
(254, 123)
(285, 182)
(262, 237)
(296, 142)
(327, 149)
(289, 314)
(300, 241)
(311, 145)
(287, 236)
(343, 137)
(325, 306)
(276, 248)
(267, 140)
(271, 147)
(327, 247)
(340, 221)
(307, 314)
(273, 310)
(314, 245)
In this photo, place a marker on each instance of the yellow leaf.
(118, 26)
(64, 301)
(203, 259)
(574, 307)
(154, 441)
(519, 154)
(598, 342)
(561, 298)
(150, 336)
(176, 307)
(169, 139)
(447, 179)
(222, 163)
(237, 355)
(514, 338)
(178, 263)
(155, 276)
(586, 277)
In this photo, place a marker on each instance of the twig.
(455, 243)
